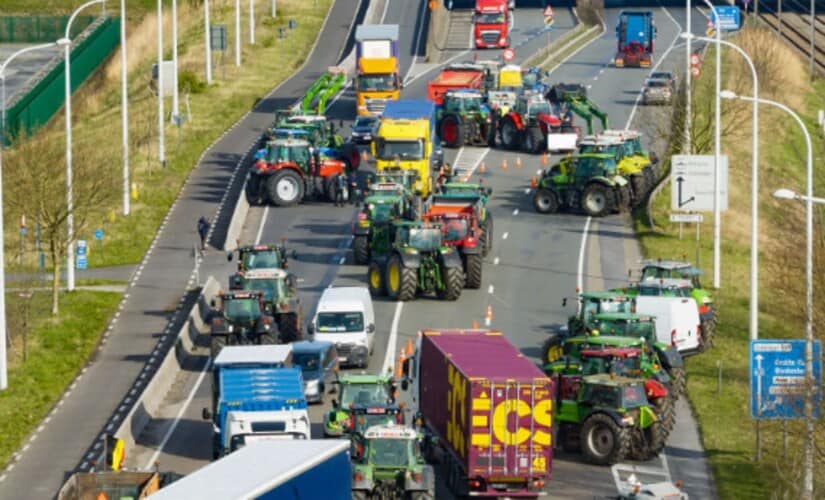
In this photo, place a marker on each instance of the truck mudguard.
(616, 181)
(471, 250)
(451, 258)
(616, 416)
(412, 260)
(670, 357)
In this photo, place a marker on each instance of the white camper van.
(345, 317)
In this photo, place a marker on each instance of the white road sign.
(692, 183)
(686, 218)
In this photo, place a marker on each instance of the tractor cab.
(264, 256)
(588, 166)
(464, 101)
(275, 283)
(423, 237)
(286, 150)
(656, 269)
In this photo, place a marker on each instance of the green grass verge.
(723, 411)
(56, 350)
(52, 7)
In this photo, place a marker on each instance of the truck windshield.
(262, 260)
(490, 18)
(340, 322)
(364, 395)
(404, 150)
(378, 83)
(240, 310)
(388, 452)
(612, 149)
(272, 289)
(306, 360)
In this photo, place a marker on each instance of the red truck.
(492, 20)
(486, 410)
(455, 77)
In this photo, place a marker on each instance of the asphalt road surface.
(536, 260)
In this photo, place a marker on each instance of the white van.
(677, 321)
(345, 317)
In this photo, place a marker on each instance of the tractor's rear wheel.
(545, 201)
(285, 188)
(603, 441)
(473, 266)
(597, 200)
(492, 131)
(375, 280)
(361, 250)
(708, 329)
(639, 184)
(400, 280)
(649, 442)
(509, 133)
(216, 343)
(678, 381)
(624, 198)
(487, 234)
(453, 278)
(551, 350)
(452, 131)
(289, 327)
(666, 411)
(533, 140)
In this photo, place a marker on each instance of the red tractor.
(290, 170)
(532, 126)
(460, 229)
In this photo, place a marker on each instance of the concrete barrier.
(438, 29)
(156, 390)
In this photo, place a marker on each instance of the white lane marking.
(582, 249)
(342, 260)
(596, 77)
(527, 191)
(417, 44)
(490, 289)
(261, 226)
(439, 66)
(515, 212)
(604, 30)
(589, 86)
(601, 71)
(495, 261)
(504, 236)
(655, 66)
(176, 421)
(393, 340)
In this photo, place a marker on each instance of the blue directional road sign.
(729, 17)
(778, 386)
(81, 260)
(98, 234)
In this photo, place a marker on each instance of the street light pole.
(252, 22)
(237, 33)
(67, 45)
(175, 98)
(717, 216)
(4, 381)
(688, 78)
(161, 149)
(808, 480)
(754, 278)
(207, 29)
(124, 106)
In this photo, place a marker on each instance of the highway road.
(536, 261)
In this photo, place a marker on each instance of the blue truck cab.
(256, 395)
(635, 33)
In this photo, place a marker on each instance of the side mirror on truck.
(371, 328)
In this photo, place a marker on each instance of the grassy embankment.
(723, 412)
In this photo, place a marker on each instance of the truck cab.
(377, 80)
(492, 20)
(634, 39)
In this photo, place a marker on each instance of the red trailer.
(455, 77)
(489, 408)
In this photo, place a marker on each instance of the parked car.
(319, 366)
(664, 75)
(657, 91)
(364, 129)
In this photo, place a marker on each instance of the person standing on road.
(354, 192)
(340, 186)
(203, 231)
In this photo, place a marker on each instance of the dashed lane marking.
(504, 236)
(495, 261)
(515, 212)
(490, 289)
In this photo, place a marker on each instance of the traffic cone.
(544, 158)
(482, 168)
(364, 156)
(518, 161)
(488, 317)
(475, 325)
(399, 367)
(504, 164)
(409, 347)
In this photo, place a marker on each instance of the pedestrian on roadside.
(203, 231)
(340, 187)
(354, 192)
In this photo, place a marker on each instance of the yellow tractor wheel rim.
(394, 276)
(554, 353)
(375, 278)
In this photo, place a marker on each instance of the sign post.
(98, 234)
(81, 259)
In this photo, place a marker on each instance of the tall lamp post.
(67, 45)
(717, 216)
(4, 381)
(124, 106)
(808, 481)
(754, 281)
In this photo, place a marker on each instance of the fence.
(39, 105)
(39, 29)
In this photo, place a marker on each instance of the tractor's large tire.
(473, 269)
(488, 235)
(289, 328)
(624, 198)
(551, 349)
(453, 283)
(472, 133)
(597, 200)
(533, 141)
(401, 281)
(665, 408)
(639, 184)
(452, 131)
(648, 443)
(510, 134)
(216, 343)
(545, 201)
(492, 131)
(375, 280)
(361, 250)
(267, 338)
(708, 330)
(678, 381)
(603, 441)
(285, 188)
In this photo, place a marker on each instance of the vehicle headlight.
(312, 386)
(231, 328)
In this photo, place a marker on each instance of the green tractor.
(590, 182)
(633, 148)
(240, 319)
(280, 298)
(640, 174)
(463, 118)
(392, 466)
(379, 208)
(608, 418)
(462, 193)
(265, 256)
(358, 391)
(410, 258)
(319, 132)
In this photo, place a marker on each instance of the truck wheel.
(216, 343)
(289, 328)
(453, 283)
(551, 350)
(452, 131)
(361, 250)
(534, 140)
(596, 200)
(648, 443)
(216, 446)
(401, 281)
(285, 188)
(473, 271)
(510, 134)
(545, 201)
(603, 442)
(375, 279)
(639, 184)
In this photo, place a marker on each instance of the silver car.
(657, 91)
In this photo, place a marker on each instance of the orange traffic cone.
(475, 325)
(544, 158)
(504, 164)
(364, 156)
(534, 183)
(488, 317)
(518, 161)
(482, 168)
(409, 347)
(399, 367)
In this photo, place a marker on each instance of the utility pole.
(208, 31)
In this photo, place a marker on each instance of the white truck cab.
(345, 317)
